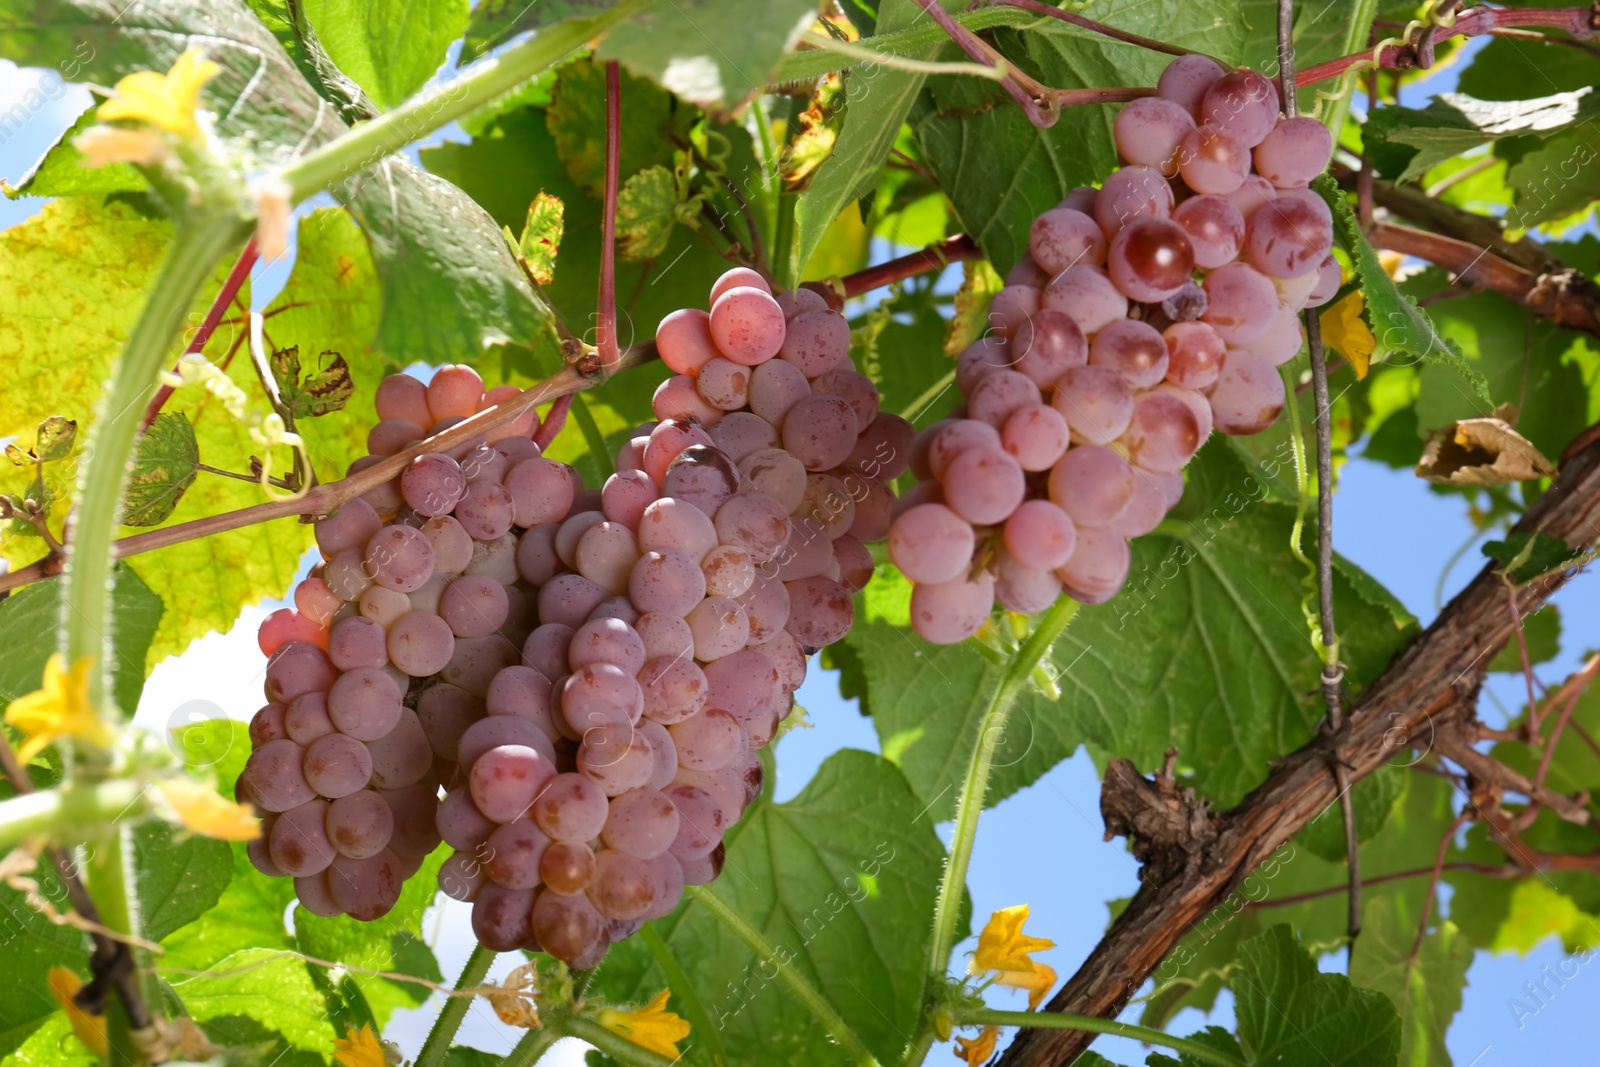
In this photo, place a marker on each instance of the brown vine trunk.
(1193, 859)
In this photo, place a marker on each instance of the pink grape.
(604, 683)
(1049, 344)
(703, 476)
(1146, 508)
(432, 484)
(1213, 160)
(874, 504)
(400, 396)
(445, 711)
(666, 581)
(1061, 238)
(754, 522)
(1282, 341)
(454, 392)
(572, 529)
(1130, 193)
(984, 485)
(684, 340)
(775, 388)
(503, 730)
(931, 543)
(502, 919)
(383, 606)
(461, 878)
(384, 498)
(399, 558)
(766, 606)
(776, 473)
(999, 394)
(642, 823)
(477, 660)
(1149, 130)
(719, 626)
(1248, 395)
(1186, 79)
(625, 496)
(741, 433)
(337, 765)
(1081, 198)
(820, 431)
(452, 545)
(674, 689)
(742, 683)
(1133, 349)
(829, 504)
(1027, 272)
(1255, 191)
(706, 741)
(1296, 151)
(364, 703)
(296, 668)
(366, 888)
(816, 342)
(403, 756)
(1215, 228)
(946, 613)
(487, 511)
(1040, 535)
(856, 566)
(607, 641)
(1092, 484)
(524, 425)
(523, 692)
(808, 553)
(1290, 236)
(474, 606)
(536, 558)
(391, 435)
(514, 853)
(1243, 102)
(678, 398)
(700, 821)
(728, 570)
(299, 842)
(747, 325)
(516, 449)
(736, 277)
(623, 887)
(306, 718)
(614, 761)
(664, 634)
(314, 600)
(420, 643)
(982, 357)
(820, 611)
(286, 625)
(1096, 402)
(267, 724)
(273, 778)
(1194, 354)
(1163, 435)
(359, 825)
(568, 927)
(568, 599)
(855, 389)
(1087, 296)
(1329, 279)
(541, 491)
(606, 555)
(1150, 259)
(723, 384)
(567, 866)
(1240, 302)
(1098, 567)
(794, 301)
(1012, 306)
(1023, 589)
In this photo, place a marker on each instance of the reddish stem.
(1433, 885)
(219, 306)
(1581, 682)
(607, 339)
(980, 52)
(554, 421)
(1532, 734)
(934, 257)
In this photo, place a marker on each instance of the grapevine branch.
(607, 339)
(1193, 858)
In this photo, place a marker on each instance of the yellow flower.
(360, 1048)
(977, 1050)
(205, 812)
(104, 145)
(166, 100)
(1037, 982)
(1002, 946)
(60, 709)
(91, 1029)
(1343, 329)
(652, 1026)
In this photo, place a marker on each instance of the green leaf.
(164, 467)
(461, 1056)
(179, 879)
(1542, 632)
(263, 992)
(692, 47)
(1372, 799)
(541, 237)
(52, 1045)
(56, 436)
(877, 102)
(28, 621)
(247, 916)
(33, 946)
(1524, 556)
(577, 122)
(1425, 991)
(1232, 687)
(998, 169)
(1400, 326)
(841, 879)
(496, 22)
(322, 392)
(1405, 142)
(1213, 1037)
(1291, 1013)
(451, 287)
(647, 209)
(388, 47)
(215, 747)
(60, 170)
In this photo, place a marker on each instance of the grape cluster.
(418, 581)
(1147, 313)
(588, 674)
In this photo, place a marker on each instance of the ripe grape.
(1186, 79)
(1062, 238)
(1049, 343)
(1096, 403)
(947, 612)
(359, 824)
(747, 325)
(1148, 131)
(1087, 296)
(1295, 151)
(1213, 160)
(1248, 395)
(1040, 535)
(1092, 484)
(1215, 228)
(1131, 193)
(931, 543)
(684, 341)
(337, 765)
(1244, 103)
(1289, 236)
(1150, 259)
(1133, 349)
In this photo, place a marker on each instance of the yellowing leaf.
(541, 237)
(647, 210)
(91, 1029)
(979, 283)
(207, 813)
(652, 1026)
(1344, 330)
(164, 467)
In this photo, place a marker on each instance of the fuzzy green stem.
(808, 995)
(1355, 39)
(455, 1008)
(683, 986)
(198, 247)
(1049, 1020)
(528, 1051)
(71, 813)
(969, 804)
(914, 41)
(612, 1044)
(370, 142)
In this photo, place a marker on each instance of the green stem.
(199, 245)
(813, 63)
(534, 1044)
(814, 1001)
(681, 985)
(612, 1044)
(455, 1009)
(969, 804)
(1356, 32)
(73, 813)
(592, 435)
(1049, 1020)
(1302, 484)
(369, 142)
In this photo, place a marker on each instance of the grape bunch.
(418, 581)
(1147, 313)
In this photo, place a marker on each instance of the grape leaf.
(248, 915)
(1289, 1012)
(1372, 799)
(841, 880)
(1405, 142)
(261, 991)
(1212, 1037)
(179, 879)
(389, 47)
(60, 170)
(323, 390)
(577, 121)
(496, 22)
(52, 1045)
(1504, 69)
(1231, 688)
(713, 53)
(541, 237)
(1426, 991)
(33, 945)
(55, 437)
(999, 170)
(165, 463)
(647, 210)
(1524, 556)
